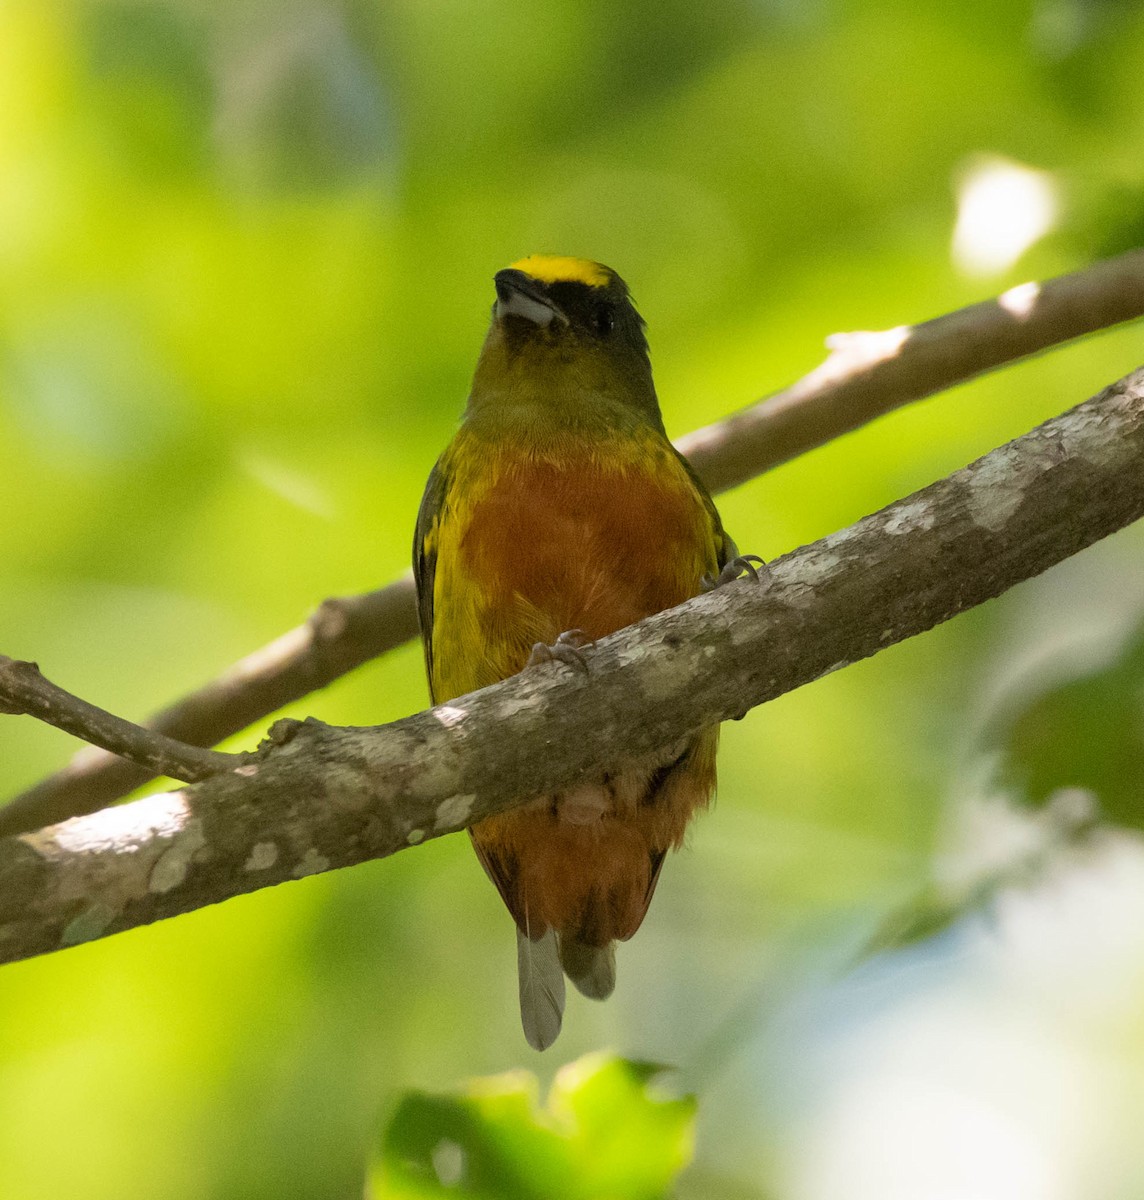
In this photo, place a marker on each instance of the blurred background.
(245, 268)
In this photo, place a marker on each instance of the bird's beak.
(519, 295)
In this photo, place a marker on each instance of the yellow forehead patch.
(549, 268)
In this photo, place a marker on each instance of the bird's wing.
(425, 557)
(725, 548)
(501, 876)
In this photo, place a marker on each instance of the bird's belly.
(543, 548)
(553, 549)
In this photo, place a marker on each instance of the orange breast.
(586, 547)
(534, 548)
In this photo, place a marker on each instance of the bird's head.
(565, 330)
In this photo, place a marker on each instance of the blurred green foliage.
(604, 1132)
(245, 265)
(1085, 730)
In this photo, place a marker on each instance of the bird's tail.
(591, 968)
(541, 987)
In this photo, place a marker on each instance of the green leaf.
(607, 1131)
(1086, 731)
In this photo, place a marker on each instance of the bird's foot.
(568, 648)
(737, 567)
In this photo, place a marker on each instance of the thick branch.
(865, 376)
(23, 690)
(341, 635)
(325, 797)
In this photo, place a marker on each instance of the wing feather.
(725, 548)
(425, 557)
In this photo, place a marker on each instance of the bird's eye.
(603, 318)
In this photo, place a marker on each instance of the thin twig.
(342, 634)
(323, 797)
(24, 690)
(865, 376)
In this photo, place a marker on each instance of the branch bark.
(870, 374)
(342, 634)
(25, 691)
(865, 376)
(322, 797)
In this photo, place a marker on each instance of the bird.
(559, 513)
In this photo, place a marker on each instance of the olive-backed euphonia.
(559, 506)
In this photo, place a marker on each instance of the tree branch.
(870, 374)
(23, 690)
(341, 635)
(865, 376)
(323, 797)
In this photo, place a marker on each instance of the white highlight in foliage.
(289, 483)
(1003, 208)
(1002, 1063)
(448, 1162)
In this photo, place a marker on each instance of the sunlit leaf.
(606, 1131)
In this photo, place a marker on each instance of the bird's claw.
(736, 568)
(568, 648)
